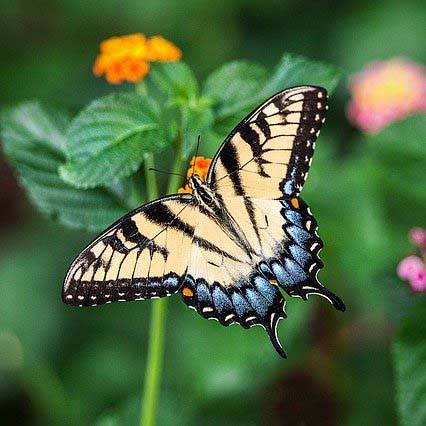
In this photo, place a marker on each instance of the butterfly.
(233, 247)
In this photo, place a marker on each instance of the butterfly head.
(202, 192)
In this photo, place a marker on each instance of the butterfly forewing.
(269, 153)
(143, 255)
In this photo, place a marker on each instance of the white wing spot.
(69, 296)
(317, 117)
(319, 105)
(320, 95)
(314, 246)
(80, 297)
(208, 309)
(228, 317)
(312, 130)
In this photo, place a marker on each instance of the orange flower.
(198, 166)
(127, 58)
(160, 49)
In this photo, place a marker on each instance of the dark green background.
(61, 365)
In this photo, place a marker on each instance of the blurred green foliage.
(59, 365)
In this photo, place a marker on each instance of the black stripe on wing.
(313, 114)
(124, 239)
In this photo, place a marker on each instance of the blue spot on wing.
(301, 256)
(294, 217)
(283, 277)
(299, 235)
(221, 300)
(266, 289)
(258, 302)
(296, 272)
(203, 293)
(242, 308)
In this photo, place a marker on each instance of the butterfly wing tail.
(304, 291)
(298, 267)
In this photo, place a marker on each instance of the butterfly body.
(230, 246)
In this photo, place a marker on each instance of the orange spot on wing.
(295, 203)
(274, 282)
(187, 292)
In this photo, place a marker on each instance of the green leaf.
(291, 71)
(33, 140)
(107, 140)
(196, 120)
(410, 366)
(294, 70)
(175, 79)
(234, 84)
(400, 156)
(403, 138)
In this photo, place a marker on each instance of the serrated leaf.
(234, 83)
(107, 140)
(33, 140)
(410, 366)
(175, 79)
(294, 70)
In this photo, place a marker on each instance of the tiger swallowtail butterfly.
(233, 247)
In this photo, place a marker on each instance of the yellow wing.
(143, 255)
(269, 153)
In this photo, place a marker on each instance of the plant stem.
(175, 180)
(154, 363)
(151, 179)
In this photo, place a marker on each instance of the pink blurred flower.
(409, 267)
(418, 237)
(418, 281)
(385, 92)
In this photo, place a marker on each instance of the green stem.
(175, 180)
(151, 179)
(154, 364)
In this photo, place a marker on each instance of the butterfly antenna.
(165, 172)
(196, 153)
